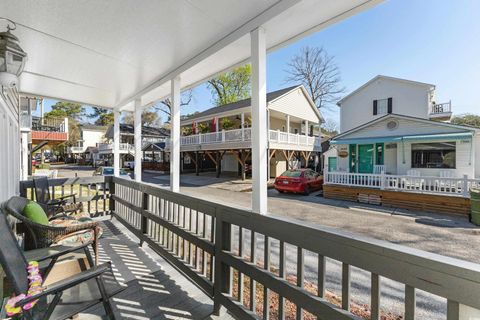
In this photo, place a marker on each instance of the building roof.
(383, 77)
(394, 115)
(239, 104)
(93, 127)
(128, 129)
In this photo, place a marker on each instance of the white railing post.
(278, 135)
(325, 175)
(200, 138)
(465, 186)
(223, 135)
(382, 180)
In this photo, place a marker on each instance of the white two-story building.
(395, 135)
(397, 126)
(223, 134)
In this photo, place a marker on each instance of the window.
(434, 155)
(382, 106)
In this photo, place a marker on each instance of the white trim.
(393, 115)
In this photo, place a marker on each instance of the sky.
(433, 41)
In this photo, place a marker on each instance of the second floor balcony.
(241, 138)
(441, 111)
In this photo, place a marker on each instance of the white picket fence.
(431, 185)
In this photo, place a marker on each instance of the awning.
(441, 136)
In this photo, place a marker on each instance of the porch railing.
(422, 184)
(239, 135)
(232, 253)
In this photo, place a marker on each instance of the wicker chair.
(64, 205)
(41, 236)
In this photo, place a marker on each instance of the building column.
(175, 136)
(307, 131)
(288, 123)
(116, 142)
(242, 120)
(138, 139)
(25, 155)
(259, 121)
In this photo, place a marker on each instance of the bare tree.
(165, 106)
(330, 127)
(316, 70)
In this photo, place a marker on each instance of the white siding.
(476, 159)
(405, 128)
(408, 99)
(91, 138)
(295, 104)
(10, 155)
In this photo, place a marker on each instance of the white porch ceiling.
(106, 53)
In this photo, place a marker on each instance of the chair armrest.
(65, 251)
(65, 284)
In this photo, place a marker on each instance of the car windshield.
(290, 173)
(107, 171)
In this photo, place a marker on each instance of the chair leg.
(95, 244)
(105, 299)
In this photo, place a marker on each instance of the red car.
(298, 181)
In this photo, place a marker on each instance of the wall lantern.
(12, 57)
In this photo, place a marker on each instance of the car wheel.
(281, 191)
(306, 191)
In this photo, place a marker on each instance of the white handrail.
(421, 184)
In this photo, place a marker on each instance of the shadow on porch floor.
(154, 289)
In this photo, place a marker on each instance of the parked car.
(108, 171)
(298, 181)
(34, 162)
(129, 164)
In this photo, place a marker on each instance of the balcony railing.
(441, 108)
(75, 149)
(122, 147)
(405, 183)
(49, 124)
(219, 248)
(244, 135)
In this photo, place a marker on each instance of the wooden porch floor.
(154, 289)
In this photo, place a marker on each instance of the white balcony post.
(259, 121)
(138, 140)
(306, 128)
(278, 135)
(465, 191)
(382, 180)
(116, 142)
(243, 125)
(175, 136)
(223, 135)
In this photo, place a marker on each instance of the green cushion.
(34, 212)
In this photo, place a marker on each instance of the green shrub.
(43, 166)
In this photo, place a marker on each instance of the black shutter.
(375, 112)
(390, 106)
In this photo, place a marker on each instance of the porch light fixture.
(12, 57)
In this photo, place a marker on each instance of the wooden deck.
(398, 199)
(154, 289)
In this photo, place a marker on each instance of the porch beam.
(116, 142)
(138, 139)
(259, 121)
(175, 136)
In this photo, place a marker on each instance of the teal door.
(365, 158)
(332, 164)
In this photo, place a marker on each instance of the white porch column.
(307, 129)
(242, 119)
(175, 136)
(259, 121)
(116, 142)
(138, 140)
(288, 123)
(24, 155)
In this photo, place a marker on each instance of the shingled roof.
(239, 104)
(146, 131)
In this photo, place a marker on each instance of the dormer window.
(382, 106)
